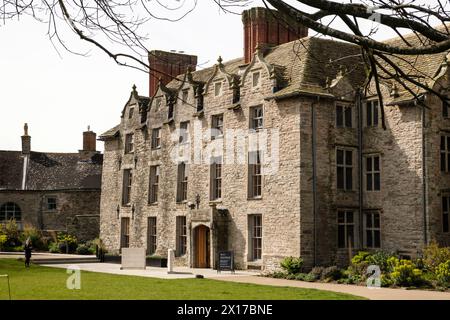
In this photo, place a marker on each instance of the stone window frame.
(156, 138)
(345, 167)
(341, 122)
(256, 121)
(47, 203)
(129, 143)
(374, 119)
(127, 186)
(255, 173)
(444, 152)
(182, 182)
(185, 96)
(373, 173)
(217, 126)
(218, 88)
(131, 111)
(183, 136)
(373, 229)
(152, 235)
(216, 177)
(345, 224)
(181, 235)
(154, 177)
(258, 84)
(158, 103)
(445, 207)
(255, 237)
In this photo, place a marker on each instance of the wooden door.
(202, 247)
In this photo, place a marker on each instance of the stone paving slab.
(154, 272)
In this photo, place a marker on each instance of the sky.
(59, 94)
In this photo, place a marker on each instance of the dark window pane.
(348, 117)
(444, 204)
(340, 178)
(349, 179)
(369, 182)
(445, 223)
(369, 242)
(442, 143)
(375, 113)
(351, 236)
(442, 161)
(340, 157)
(376, 163)
(369, 114)
(369, 220)
(341, 217)
(377, 242)
(349, 217)
(339, 116)
(448, 143)
(445, 109)
(348, 157)
(369, 163)
(376, 185)
(341, 236)
(448, 163)
(376, 220)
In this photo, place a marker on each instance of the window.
(373, 173)
(255, 237)
(372, 113)
(185, 95)
(372, 232)
(130, 113)
(254, 174)
(181, 235)
(154, 182)
(151, 235)
(256, 118)
(156, 138)
(344, 164)
(216, 179)
(216, 126)
(51, 203)
(125, 233)
(129, 143)
(445, 212)
(182, 182)
(127, 182)
(217, 89)
(9, 211)
(255, 79)
(445, 153)
(344, 116)
(184, 132)
(346, 229)
(445, 109)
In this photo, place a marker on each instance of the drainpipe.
(314, 178)
(424, 176)
(360, 164)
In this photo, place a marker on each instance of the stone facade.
(300, 199)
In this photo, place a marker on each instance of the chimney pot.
(26, 140)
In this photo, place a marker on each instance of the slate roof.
(50, 171)
(111, 133)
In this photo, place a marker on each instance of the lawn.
(44, 283)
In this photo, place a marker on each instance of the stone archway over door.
(202, 247)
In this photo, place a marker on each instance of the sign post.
(226, 261)
(9, 287)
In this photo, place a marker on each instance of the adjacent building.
(52, 191)
(278, 153)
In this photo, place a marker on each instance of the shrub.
(443, 273)
(67, 243)
(301, 276)
(38, 242)
(278, 275)
(292, 265)
(11, 231)
(83, 249)
(360, 257)
(405, 273)
(433, 256)
(380, 259)
(310, 277)
(3, 239)
(53, 247)
(331, 273)
(316, 273)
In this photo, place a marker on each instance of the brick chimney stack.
(167, 65)
(89, 140)
(26, 140)
(269, 27)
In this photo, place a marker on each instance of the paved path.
(43, 255)
(372, 294)
(245, 276)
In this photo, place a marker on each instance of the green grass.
(44, 283)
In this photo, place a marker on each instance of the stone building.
(279, 153)
(52, 191)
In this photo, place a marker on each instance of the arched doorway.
(201, 247)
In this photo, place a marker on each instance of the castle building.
(279, 153)
(52, 192)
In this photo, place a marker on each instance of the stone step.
(65, 260)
